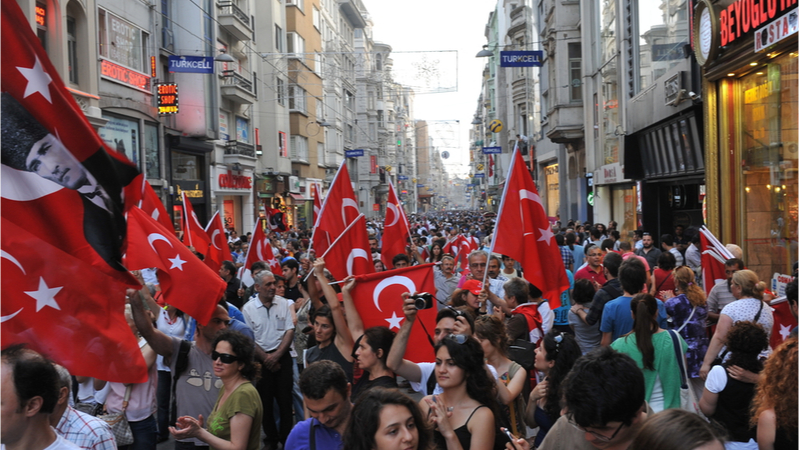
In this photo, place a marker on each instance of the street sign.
(492, 150)
(590, 199)
(480, 175)
(353, 153)
(420, 185)
(521, 58)
(402, 178)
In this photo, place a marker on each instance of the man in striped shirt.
(85, 431)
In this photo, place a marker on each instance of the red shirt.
(590, 274)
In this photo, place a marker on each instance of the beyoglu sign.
(741, 16)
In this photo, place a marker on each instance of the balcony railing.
(227, 8)
(235, 79)
(240, 148)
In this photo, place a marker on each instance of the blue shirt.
(562, 312)
(617, 318)
(326, 438)
(577, 254)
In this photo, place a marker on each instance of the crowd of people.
(287, 362)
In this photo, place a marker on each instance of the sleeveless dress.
(462, 433)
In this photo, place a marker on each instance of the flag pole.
(337, 240)
(500, 214)
(322, 208)
(186, 220)
(249, 247)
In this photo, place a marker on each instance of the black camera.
(423, 300)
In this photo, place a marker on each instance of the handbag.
(118, 422)
(687, 320)
(521, 351)
(688, 398)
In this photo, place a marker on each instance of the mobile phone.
(508, 433)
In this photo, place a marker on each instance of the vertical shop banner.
(242, 134)
(122, 135)
(228, 215)
(223, 126)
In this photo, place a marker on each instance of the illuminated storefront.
(751, 115)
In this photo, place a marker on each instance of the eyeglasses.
(224, 357)
(460, 338)
(594, 434)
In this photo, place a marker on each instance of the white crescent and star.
(44, 294)
(38, 80)
(356, 253)
(386, 282)
(395, 215)
(546, 234)
(351, 203)
(152, 237)
(786, 330)
(394, 321)
(214, 238)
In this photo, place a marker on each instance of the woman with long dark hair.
(555, 358)
(463, 415)
(372, 349)
(663, 278)
(652, 348)
(436, 252)
(726, 400)
(386, 419)
(689, 313)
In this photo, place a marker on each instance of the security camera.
(693, 96)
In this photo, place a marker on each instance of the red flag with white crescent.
(218, 251)
(194, 234)
(187, 283)
(317, 201)
(712, 259)
(523, 233)
(349, 254)
(378, 301)
(259, 250)
(395, 228)
(151, 203)
(784, 321)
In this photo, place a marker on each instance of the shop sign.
(521, 58)
(492, 150)
(376, 206)
(191, 64)
(223, 126)
(266, 186)
(229, 180)
(741, 16)
(353, 153)
(590, 198)
(167, 98)
(608, 174)
(776, 31)
(402, 178)
(123, 75)
(41, 15)
(193, 189)
(779, 283)
(672, 88)
(479, 175)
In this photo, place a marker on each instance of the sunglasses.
(224, 357)
(460, 338)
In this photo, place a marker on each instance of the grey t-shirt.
(587, 336)
(198, 388)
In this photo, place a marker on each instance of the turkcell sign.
(492, 150)
(479, 175)
(521, 58)
(191, 64)
(353, 153)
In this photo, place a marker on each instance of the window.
(663, 32)
(359, 33)
(378, 62)
(297, 99)
(318, 63)
(242, 129)
(320, 112)
(315, 17)
(279, 38)
(295, 44)
(299, 146)
(72, 50)
(380, 119)
(380, 92)
(280, 91)
(151, 155)
(575, 83)
(122, 42)
(283, 151)
(300, 4)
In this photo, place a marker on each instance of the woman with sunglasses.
(554, 358)
(491, 334)
(463, 415)
(653, 350)
(235, 421)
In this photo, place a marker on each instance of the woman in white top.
(748, 306)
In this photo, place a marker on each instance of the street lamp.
(224, 57)
(485, 52)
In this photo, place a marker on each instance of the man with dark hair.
(445, 280)
(326, 393)
(291, 268)
(566, 253)
(28, 395)
(617, 319)
(605, 406)
(493, 269)
(681, 239)
(649, 251)
(610, 290)
(85, 431)
(594, 268)
(596, 238)
(227, 270)
(720, 295)
(400, 261)
(668, 245)
(373, 247)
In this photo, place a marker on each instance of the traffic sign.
(492, 150)
(353, 153)
(479, 175)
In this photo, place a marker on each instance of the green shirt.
(243, 400)
(665, 364)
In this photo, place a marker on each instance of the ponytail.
(645, 308)
(685, 281)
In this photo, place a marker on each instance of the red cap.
(473, 286)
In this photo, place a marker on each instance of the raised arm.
(343, 339)
(160, 342)
(394, 360)
(354, 321)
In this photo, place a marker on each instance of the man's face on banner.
(51, 160)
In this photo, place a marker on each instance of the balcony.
(239, 152)
(236, 88)
(233, 20)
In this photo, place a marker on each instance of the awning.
(298, 197)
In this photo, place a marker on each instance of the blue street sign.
(479, 175)
(492, 150)
(402, 178)
(521, 58)
(191, 64)
(353, 153)
(420, 185)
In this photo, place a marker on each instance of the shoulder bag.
(118, 422)
(688, 399)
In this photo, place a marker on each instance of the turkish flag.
(395, 228)
(523, 233)
(261, 250)
(783, 321)
(194, 234)
(350, 254)
(71, 312)
(188, 284)
(276, 219)
(317, 201)
(338, 211)
(218, 250)
(151, 203)
(712, 259)
(460, 248)
(379, 303)
(59, 180)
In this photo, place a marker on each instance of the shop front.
(618, 196)
(233, 193)
(270, 190)
(749, 53)
(189, 172)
